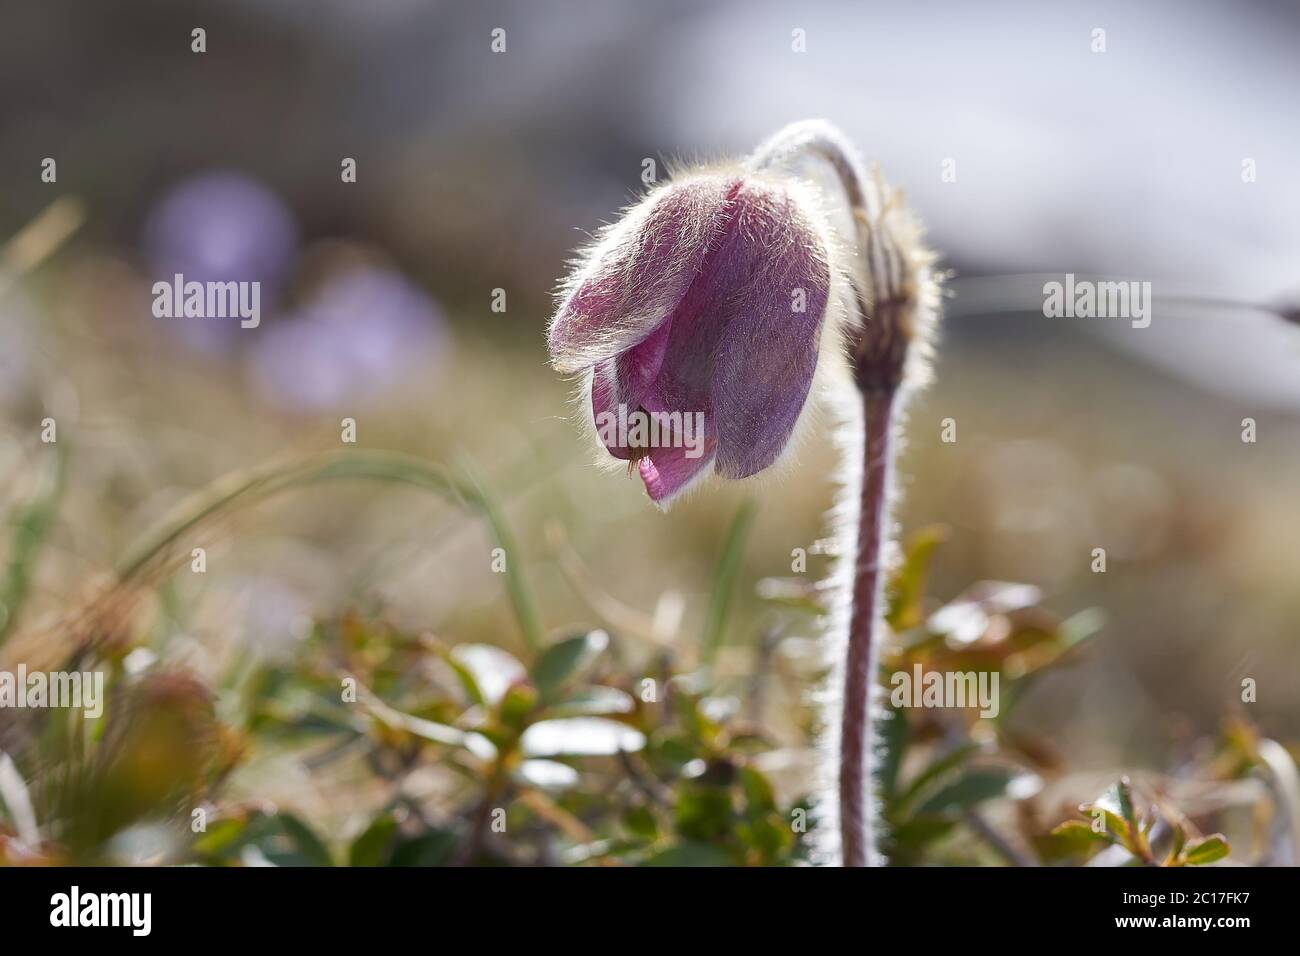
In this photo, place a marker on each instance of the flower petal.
(637, 272)
(765, 363)
(667, 472)
(624, 381)
(743, 341)
(707, 301)
(604, 403)
(639, 366)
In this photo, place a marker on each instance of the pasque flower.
(707, 300)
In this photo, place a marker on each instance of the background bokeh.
(480, 171)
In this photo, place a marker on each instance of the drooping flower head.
(697, 319)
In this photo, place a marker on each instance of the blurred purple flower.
(221, 227)
(705, 299)
(365, 331)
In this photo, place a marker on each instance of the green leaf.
(703, 811)
(640, 821)
(1077, 628)
(906, 591)
(724, 581)
(476, 743)
(372, 847)
(564, 659)
(1076, 831)
(759, 795)
(466, 678)
(1124, 794)
(912, 836)
(691, 854)
(432, 849)
(518, 704)
(222, 837)
(1200, 852)
(1073, 838)
(593, 702)
(1114, 822)
(308, 850)
(580, 737)
(973, 788)
(767, 834)
(547, 774)
(491, 669)
(893, 745)
(943, 765)
(1116, 808)
(1180, 841)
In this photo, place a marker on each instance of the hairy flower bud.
(704, 304)
(890, 347)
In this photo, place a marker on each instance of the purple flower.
(366, 330)
(220, 227)
(704, 303)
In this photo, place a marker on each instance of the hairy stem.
(816, 138)
(856, 792)
(890, 291)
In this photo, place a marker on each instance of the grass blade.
(31, 525)
(516, 586)
(254, 485)
(248, 487)
(724, 581)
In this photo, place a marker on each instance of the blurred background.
(479, 171)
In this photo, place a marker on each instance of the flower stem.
(893, 302)
(856, 792)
